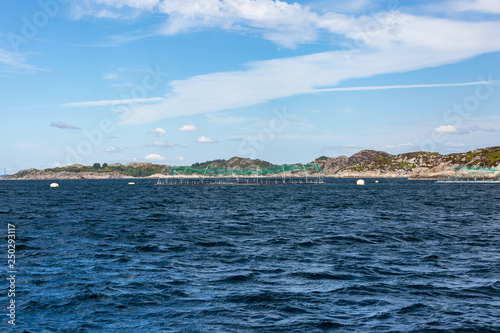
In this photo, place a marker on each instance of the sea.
(394, 256)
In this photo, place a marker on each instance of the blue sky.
(178, 82)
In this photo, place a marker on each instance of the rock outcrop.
(47, 174)
(480, 163)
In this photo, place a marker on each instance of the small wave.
(323, 275)
(308, 243)
(237, 278)
(264, 297)
(293, 309)
(328, 324)
(21, 247)
(147, 248)
(432, 257)
(213, 244)
(349, 239)
(416, 307)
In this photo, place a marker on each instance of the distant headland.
(480, 163)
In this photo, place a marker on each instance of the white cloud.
(476, 128)
(110, 76)
(454, 144)
(227, 119)
(278, 21)
(15, 61)
(204, 139)
(29, 146)
(154, 157)
(380, 43)
(62, 125)
(286, 24)
(188, 128)
(176, 159)
(158, 132)
(113, 102)
(407, 145)
(140, 4)
(163, 144)
(11, 58)
(448, 129)
(409, 86)
(113, 150)
(110, 9)
(159, 158)
(483, 6)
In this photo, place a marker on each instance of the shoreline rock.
(481, 164)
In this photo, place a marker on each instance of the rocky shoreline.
(478, 164)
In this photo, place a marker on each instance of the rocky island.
(481, 163)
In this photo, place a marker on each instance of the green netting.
(297, 169)
(469, 168)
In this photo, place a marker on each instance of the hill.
(480, 163)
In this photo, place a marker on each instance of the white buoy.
(131, 183)
(376, 181)
(360, 182)
(54, 185)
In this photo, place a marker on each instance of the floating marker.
(54, 185)
(376, 181)
(131, 183)
(360, 182)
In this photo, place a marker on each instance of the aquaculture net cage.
(295, 170)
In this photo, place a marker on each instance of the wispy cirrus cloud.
(390, 41)
(112, 102)
(483, 6)
(113, 150)
(450, 144)
(16, 62)
(162, 144)
(411, 86)
(110, 76)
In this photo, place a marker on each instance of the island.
(478, 164)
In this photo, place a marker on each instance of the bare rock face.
(136, 164)
(480, 163)
(44, 174)
(366, 156)
(333, 165)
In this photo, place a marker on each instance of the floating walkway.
(297, 174)
(468, 181)
(240, 181)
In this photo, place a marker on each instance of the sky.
(178, 82)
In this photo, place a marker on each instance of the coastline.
(478, 164)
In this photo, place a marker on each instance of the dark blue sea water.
(397, 256)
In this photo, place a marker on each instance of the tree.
(96, 166)
(105, 165)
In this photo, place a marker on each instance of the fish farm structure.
(473, 175)
(297, 174)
